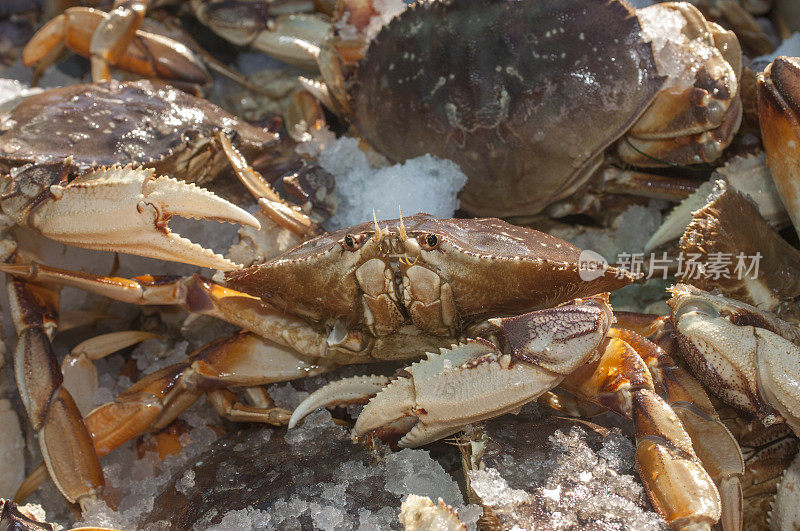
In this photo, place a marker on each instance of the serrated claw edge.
(126, 209)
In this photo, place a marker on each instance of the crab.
(484, 83)
(678, 430)
(124, 38)
(351, 296)
(61, 154)
(746, 357)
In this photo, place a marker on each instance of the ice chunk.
(633, 229)
(414, 472)
(424, 184)
(155, 354)
(676, 56)
(537, 473)
(186, 482)
(635, 226)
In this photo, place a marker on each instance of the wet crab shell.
(139, 122)
(493, 267)
(523, 95)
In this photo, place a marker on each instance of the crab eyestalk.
(118, 208)
(475, 380)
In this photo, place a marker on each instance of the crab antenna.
(403, 234)
(378, 231)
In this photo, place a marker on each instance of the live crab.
(394, 290)
(55, 168)
(489, 84)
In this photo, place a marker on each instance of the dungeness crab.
(103, 131)
(390, 290)
(526, 96)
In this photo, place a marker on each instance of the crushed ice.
(424, 184)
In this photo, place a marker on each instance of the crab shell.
(743, 355)
(472, 268)
(138, 123)
(524, 96)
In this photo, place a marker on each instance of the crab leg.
(63, 437)
(288, 217)
(146, 54)
(712, 441)
(119, 209)
(113, 36)
(475, 380)
(241, 360)
(202, 296)
(77, 367)
(679, 487)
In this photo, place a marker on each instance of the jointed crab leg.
(77, 367)
(200, 295)
(712, 441)
(143, 53)
(63, 437)
(241, 360)
(678, 485)
(120, 209)
(288, 217)
(113, 36)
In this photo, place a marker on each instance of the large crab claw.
(475, 380)
(745, 356)
(118, 208)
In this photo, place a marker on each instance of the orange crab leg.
(712, 441)
(680, 488)
(198, 295)
(241, 360)
(146, 54)
(286, 216)
(63, 437)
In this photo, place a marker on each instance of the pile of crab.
(567, 118)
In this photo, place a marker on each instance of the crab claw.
(476, 380)
(745, 356)
(118, 208)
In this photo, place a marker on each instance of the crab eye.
(429, 242)
(352, 243)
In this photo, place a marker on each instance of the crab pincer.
(476, 380)
(118, 208)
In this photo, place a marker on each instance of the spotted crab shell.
(140, 123)
(523, 94)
